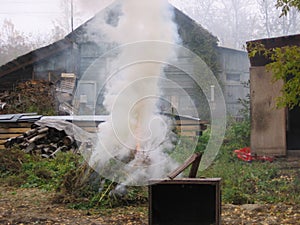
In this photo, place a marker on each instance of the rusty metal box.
(188, 201)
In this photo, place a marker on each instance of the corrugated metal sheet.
(26, 117)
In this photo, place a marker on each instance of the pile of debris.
(4, 96)
(33, 95)
(45, 141)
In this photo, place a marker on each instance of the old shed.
(76, 53)
(273, 131)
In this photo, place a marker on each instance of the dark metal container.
(188, 201)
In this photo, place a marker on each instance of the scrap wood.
(49, 136)
(26, 94)
(43, 140)
(193, 160)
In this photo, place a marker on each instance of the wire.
(29, 13)
(25, 2)
(29, 3)
(17, 13)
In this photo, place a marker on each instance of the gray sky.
(38, 16)
(30, 15)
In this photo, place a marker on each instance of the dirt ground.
(35, 206)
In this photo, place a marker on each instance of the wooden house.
(78, 50)
(234, 75)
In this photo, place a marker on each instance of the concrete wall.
(268, 124)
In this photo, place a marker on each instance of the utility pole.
(72, 15)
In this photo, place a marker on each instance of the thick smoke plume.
(134, 144)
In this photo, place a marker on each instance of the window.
(233, 77)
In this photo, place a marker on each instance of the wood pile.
(32, 95)
(44, 141)
(11, 130)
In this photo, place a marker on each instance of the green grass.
(76, 184)
(24, 170)
(251, 182)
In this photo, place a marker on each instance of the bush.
(11, 161)
(83, 188)
(69, 175)
(238, 133)
(34, 171)
(78, 185)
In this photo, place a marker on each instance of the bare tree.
(291, 22)
(274, 24)
(202, 12)
(12, 42)
(239, 17)
(265, 9)
(232, 21)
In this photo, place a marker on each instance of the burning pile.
(45, 141)
(133, 145)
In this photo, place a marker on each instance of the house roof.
(42, 53)
(276, 42)
(34, 56)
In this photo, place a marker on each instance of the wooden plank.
(2, 147)
(6, 136)
(15, 125)
(186, 121)
(190, 122)
(83, 124)
(195, 128)
(193, 158)
(188, 133)
(2, 142)
(18, 130)
(90, 129)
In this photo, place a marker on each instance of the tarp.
(245, 155)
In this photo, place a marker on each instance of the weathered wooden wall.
(234, 73)
(268, 124)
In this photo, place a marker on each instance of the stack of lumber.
(11, 130)
(13, 125)
(43, 140)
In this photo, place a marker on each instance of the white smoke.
(133, 143)
(92, 6)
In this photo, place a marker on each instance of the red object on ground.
(245, 155)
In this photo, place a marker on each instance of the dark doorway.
(293, 129)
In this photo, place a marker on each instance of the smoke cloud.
(92, 6)
(134, 144)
